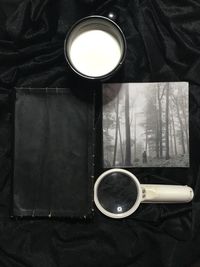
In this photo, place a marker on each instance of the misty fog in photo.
(145, 125)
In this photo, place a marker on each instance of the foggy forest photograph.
(145, 124)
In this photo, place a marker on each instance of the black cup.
(96, 25)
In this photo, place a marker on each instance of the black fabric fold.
(163, 45)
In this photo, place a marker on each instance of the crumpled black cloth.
(163, 45)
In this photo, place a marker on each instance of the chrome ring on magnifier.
(118, 193)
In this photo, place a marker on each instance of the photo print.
(145, 124)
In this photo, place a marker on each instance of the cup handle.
(158, 193)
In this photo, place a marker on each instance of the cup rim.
(123, 55)
(132, 209)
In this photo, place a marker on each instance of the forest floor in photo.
(179, 161)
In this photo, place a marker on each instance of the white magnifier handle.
(152, 193)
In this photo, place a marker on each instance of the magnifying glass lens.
(117, 192)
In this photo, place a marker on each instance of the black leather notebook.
(53, 156)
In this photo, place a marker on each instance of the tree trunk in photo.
(146, 139)
(160, 130)
(157, 123)
(120, 140)
(187, 136)
(185, 118)
(135, 137)
(174, 135)
(167, 124)
(160, 96)
(107, 155)
(116, 130)
(171, 139)
(127, 129)
(181, 126)
(157, 141)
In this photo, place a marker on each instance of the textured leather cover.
(53, 164)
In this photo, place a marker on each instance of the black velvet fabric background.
(163, 45)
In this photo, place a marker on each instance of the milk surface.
(95, 52)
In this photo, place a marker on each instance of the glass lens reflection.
(117, 192)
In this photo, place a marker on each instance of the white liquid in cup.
(95, 52)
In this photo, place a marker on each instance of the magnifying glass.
(118, 193)
(95, 47)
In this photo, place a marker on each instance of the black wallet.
(53, 153)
